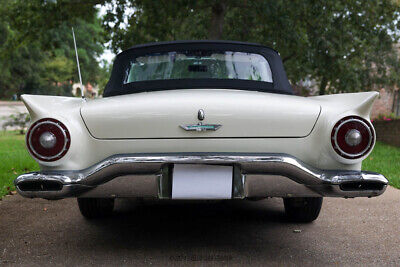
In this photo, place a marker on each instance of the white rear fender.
(67, 111)
(334, 108)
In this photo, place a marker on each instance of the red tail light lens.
(48, 139)
(352, 137)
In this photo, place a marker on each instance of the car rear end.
(129, 149)
(183, 121)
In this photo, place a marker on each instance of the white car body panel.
(313, 148)
(241, 114)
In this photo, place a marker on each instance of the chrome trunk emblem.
(201, 127)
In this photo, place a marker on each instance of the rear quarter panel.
(314, 149)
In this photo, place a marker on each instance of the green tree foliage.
(36, 47)
(345, 45)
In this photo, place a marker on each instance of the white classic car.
(201, 120)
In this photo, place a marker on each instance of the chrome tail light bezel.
(63, 132)
(362, 123)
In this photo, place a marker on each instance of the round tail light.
(48, 139)
(352, 137)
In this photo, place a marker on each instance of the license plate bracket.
(201, 181)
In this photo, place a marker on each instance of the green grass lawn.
(385, 159)
(15, 160)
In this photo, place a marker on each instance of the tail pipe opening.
(40, 186)
(362, 186)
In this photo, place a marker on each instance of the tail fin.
(40, 106)
(358, 103)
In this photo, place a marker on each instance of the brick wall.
(388, 132)
(383, 104)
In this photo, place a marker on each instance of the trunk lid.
(241, 114)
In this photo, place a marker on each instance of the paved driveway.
(348, 232)
(9, 108)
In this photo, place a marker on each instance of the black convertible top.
(116, 86)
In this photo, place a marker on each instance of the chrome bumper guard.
(148, 175)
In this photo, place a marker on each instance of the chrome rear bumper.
(148, 175)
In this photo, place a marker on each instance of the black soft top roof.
(116, 86)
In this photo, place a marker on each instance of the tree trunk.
(323, 85)
(217, 20)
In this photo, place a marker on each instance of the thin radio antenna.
(77, 62)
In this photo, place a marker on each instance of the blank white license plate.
(194, 181)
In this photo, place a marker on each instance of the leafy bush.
(19, 121)
(387, 117)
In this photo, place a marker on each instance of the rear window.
(200, 64)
